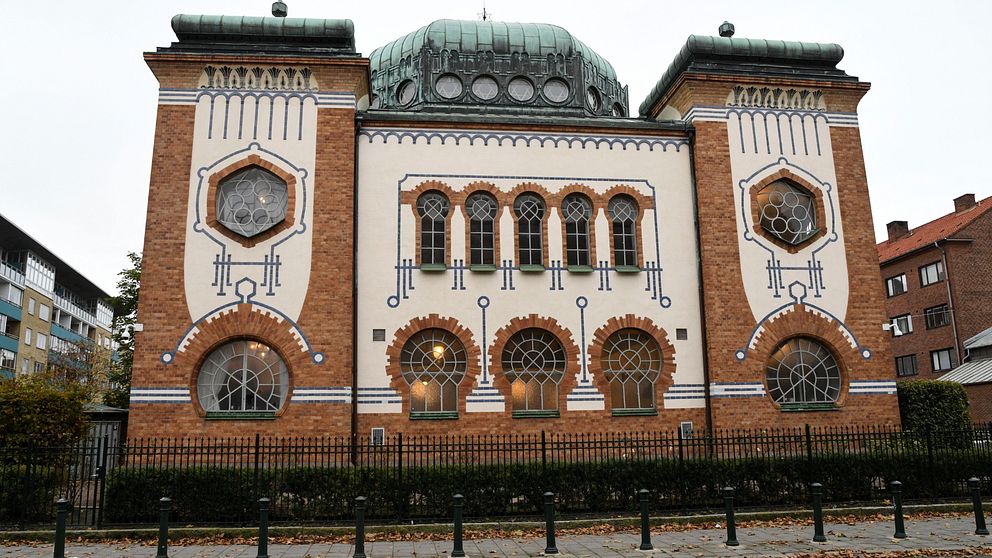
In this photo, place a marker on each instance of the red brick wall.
(980, 402)
(970, 270)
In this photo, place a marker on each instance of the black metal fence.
(412, 478)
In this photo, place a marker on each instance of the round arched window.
(802, 370)
(618, 111)
(788, 212)
(251, 201)
(631, 362)
(433, 363)
(448, 86)
(485, 88)
(593, 100)
(534, 363)
(242, 376)
(406, 92)
(521, 89)
(556, 90)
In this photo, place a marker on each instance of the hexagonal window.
(251, 201)
(448, 86)
(521, 89)
(485, 88)
(787, 212)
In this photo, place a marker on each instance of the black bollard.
(896, 488)
(263, 528)
(817, 490)
(728, 500)
(61, 510)
(642, 495)
(359, 527)
(976, 500)
(549, 522)
(163, 528)
(458, 550)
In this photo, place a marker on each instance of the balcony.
(9, 342)
(11, 274)
(73, 309)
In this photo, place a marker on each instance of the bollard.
(61, 510)
(359, 527)
(263, 528)
(549, 522)
(645, 527)
(163, 528)
(976, 500)
(728, 500)
(896, 488)
(458, 550)
(817, 490)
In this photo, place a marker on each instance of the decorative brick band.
(177, 395)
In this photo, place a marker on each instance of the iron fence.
(412, 478)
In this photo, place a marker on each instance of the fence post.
(549, 520)
(544, 454)
(163, 528)
(101, 478)
(359, 527)
(817, 490)
(255, 472)
(458, 550)
(809, 454)
(263, 528)
(896, 488)
(930, 472)
(683, 485)
(62, 509)
(976, 501)
(728, 500)
(645, 526)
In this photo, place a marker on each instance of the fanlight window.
(534, 363)
(631, 363)
(788, 212)
(251, 201)
(242, 376)
(623, 213)
(433, 363)
(576, 210)
(529, 210)
(482, 210)
(802, 370)
(433, 210)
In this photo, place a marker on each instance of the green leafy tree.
(37, 411)
(125, 316)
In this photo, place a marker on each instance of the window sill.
(627, 269)
(580, 269)
(635, 412)
(808, 407)
(239, 415)
(536, 414)
(443, 415)
(433, 268)
(482, 268)
(532, 268)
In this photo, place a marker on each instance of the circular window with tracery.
(533, 361)
(433, 363)
(242, 376)
(787, 212)
(251, 201)
(803, 371)
(631, 363)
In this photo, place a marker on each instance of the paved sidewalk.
(947, 533)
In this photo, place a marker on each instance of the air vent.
(378, 335)
(681, 334)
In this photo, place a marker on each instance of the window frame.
(578, 233)
(32, 303)
(282, 381)
(28, 336)
(530, 263)
(903, 331)
(900, 373)
(930, 316)
(509, 355)
(938, 266)
(612, 352)
(451, 380)
(773, 372)
(935, 359)
(436, 233)
(477, 234)
(889, 282)
(631, 254)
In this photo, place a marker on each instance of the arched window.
(242, 376)
(631, 363)
(433, 363)
(577, 211)
(432, 207)
(623, 213)
(788, 212)
(529, 209)
(802, 370)
(251, 201)
(534, 363)
(482, 210)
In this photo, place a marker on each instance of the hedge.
(932, 405)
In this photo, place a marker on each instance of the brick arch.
(432, 321)
(802, 321)
(643, 204)
(521, 323)
(410, 197)
(547, 197)
(821, 215)
(253, 160)
(630, 321)
(501, 206)
(246, 322)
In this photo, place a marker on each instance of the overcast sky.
(77, 129)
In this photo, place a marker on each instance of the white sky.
(76, 134)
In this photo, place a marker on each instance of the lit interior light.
(438, 351)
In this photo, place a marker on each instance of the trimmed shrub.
(931, 405)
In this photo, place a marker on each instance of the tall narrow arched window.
(576, 211)
(529, 209)
(433, 363)
(623, 214)
(433, 208)
(631, 362)
(534, 363)
(482, 210)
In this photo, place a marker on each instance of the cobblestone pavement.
(947, 533)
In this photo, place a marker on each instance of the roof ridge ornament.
(726, 29)
(279, 9)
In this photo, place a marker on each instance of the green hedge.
(27, 493)
(931, 405)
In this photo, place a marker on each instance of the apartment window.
(31, 303)
(43, 312)
(932, 273)
(577, 211)
(623, 213)
(433, 210)
(41, 340)
(25, 363)
(896, 285)
(39, 367)
(529, 209)
(106, 342)
(906, 365)
(942, 359)
(27, 336)
(482, 210)
(904, 323)
(7, 359)
(938, 316)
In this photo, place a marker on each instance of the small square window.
(39, 367)
(931, 273)
(895, 285)
(378, 437)
(906, 365)
(685, 429)
(937, 316)
(681, 334)
(903, 323)
(378, 335)
(43, 312)
(942, 359)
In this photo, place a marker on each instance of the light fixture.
(894, 328)
(423, 382)
(438, 351)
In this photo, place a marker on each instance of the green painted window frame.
(532, 268)
(434, 415)
(580, 269)
(808, 407)
(537, 414)
(240, 415)
(482, 268)
(635, 412)
(628, 269)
